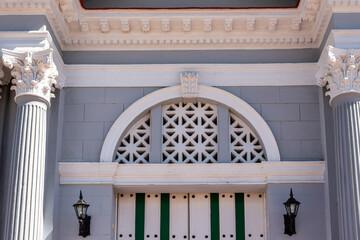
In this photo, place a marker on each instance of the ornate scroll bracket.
(189, 84)
(340, 72)
(34, 73)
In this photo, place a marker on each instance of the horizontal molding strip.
(193, 174)
(162, 75)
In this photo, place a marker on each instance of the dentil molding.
(34, 73)
(120, 29)
(340, 72)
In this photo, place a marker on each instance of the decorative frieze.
(63, 16)
(189, 84)
(340, 72)
(34, 73)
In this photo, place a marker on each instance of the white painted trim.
(80, 29)
(236, 104)
(163, 75)
(183, 174)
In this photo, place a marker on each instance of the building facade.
(188, 120)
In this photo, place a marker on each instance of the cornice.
(204, 174)
(191, 29)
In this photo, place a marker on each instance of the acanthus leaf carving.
(189, 84)
(34, 73)
(340, 72)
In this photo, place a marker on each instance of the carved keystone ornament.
(189, 84)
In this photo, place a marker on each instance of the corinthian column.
(340, 75)
(34, 77)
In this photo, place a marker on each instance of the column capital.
(339, 72)
(34, 73)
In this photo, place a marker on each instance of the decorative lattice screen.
(189, 133)
(245, 146)
(135, 145)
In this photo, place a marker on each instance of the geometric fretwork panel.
(245, 146)
(135, 145)
(189, 133)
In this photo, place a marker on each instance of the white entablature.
(80, 29)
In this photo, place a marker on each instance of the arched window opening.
(190, 134)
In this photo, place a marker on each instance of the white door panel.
(200, 216)
(254, 216)
(179, 218)
(126, 217)
(227, 216)
(152, 216)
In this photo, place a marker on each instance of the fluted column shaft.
(340, 74)
(34, 77)
(347, 149)
(25, 216)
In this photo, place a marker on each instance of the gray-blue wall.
(291, 112)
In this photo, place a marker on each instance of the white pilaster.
(34, 76)
(340, 75)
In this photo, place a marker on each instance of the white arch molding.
(211, 93)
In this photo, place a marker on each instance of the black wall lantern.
(84, 220)
(292, 207)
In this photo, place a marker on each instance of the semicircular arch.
(234, 103)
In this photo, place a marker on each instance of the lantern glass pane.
(287, 207)
(80, 211)
(85, 208)
(76, 211)
(292, 208)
